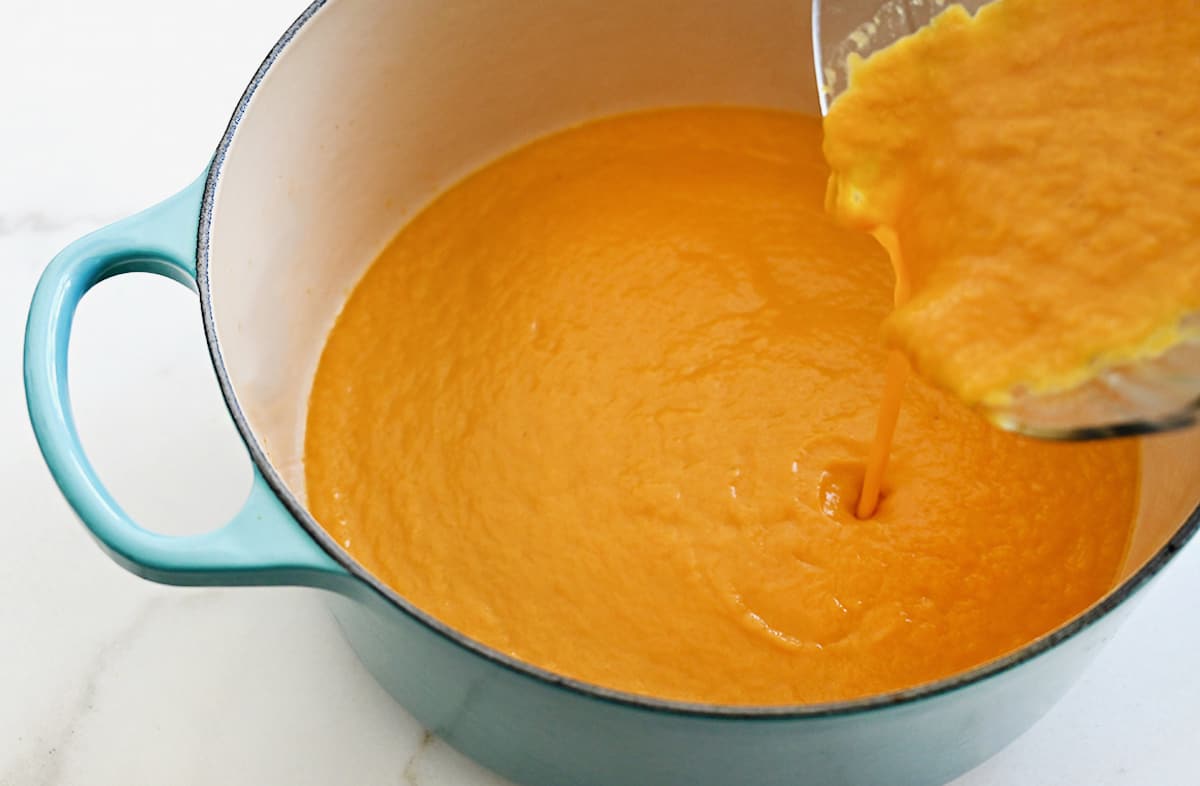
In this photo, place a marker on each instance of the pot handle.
(262, 544)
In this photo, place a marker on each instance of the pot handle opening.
(262, 544)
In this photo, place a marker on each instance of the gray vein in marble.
(37, 222)
(410, 769)
(43, 764)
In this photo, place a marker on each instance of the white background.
(105, 679)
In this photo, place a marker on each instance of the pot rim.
(1114, 598)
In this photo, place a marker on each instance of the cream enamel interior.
(377, 106)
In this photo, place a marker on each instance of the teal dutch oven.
(361, 112)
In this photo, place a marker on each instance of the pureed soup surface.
(604, 404)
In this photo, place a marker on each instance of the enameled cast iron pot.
(362, 112)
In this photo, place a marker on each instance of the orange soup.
(1037, 166)
(604, 405)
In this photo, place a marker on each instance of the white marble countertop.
(108, 680)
